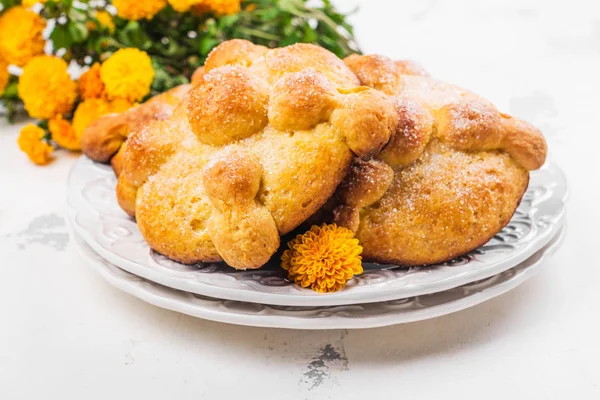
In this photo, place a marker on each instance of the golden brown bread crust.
(450, 177)
(261, 143)
(461, 118)
(116, 162)
(443, 205)
(103, 138)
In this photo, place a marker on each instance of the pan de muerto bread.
(450, 178)
(261, 142)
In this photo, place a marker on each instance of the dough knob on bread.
(301, 100)
(365, 184)
(230, 105)
(412, 134)
(366, 118)
(242, 230)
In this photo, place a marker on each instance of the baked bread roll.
(450, 178)
(261, 142)
(103, 140)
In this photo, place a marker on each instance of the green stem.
(10, 111)
(113, 42)
(257, 33)
(299, 10)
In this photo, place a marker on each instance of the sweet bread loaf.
(450, 178)
(260, 143)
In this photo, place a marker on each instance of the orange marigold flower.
(63, 133)
(46, 87)
(201, 8)
(90, 84)
(324, 258)
(127, 74)
(138, 9)
(21, 35)
(31, 143)
(219, 7)
(224, 7)
(4, 75)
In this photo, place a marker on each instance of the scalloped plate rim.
(348, 296)
(303, 320)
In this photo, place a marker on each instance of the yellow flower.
(46, 88)
(91, 109)
(324, 258)
(21, 35)
(90, 84)
(119, 105)
(219, 7)
(30, 3)
(138, 9)
(31, 143)
(4, 76)
(127, 74)
(87, 112)
(184, 5)
(63, 133)
(105, 20)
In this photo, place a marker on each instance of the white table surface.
(66, 334)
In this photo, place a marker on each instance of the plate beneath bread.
(96, 217)
(354, 316)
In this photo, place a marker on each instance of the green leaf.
(310, 36)
(269, 14)
(228, 21)
(75, 14)
(11, 91)
(61, 37)
(6, 4)
(173, 49)
(211, 27)
(180, 80)
(68, 3)
(207, 44)
(133, 36)
(294, 38)
(99, 45)
(43, 124)
(78, 31)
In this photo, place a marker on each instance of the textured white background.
(66, 334)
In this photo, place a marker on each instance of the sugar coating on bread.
(261, 142)
(450, 177)
(462, 119)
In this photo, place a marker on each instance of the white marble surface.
(67, 334)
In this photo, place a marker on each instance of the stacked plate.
(383, 295)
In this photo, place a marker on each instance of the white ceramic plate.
(369, 315)
(96, 217)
